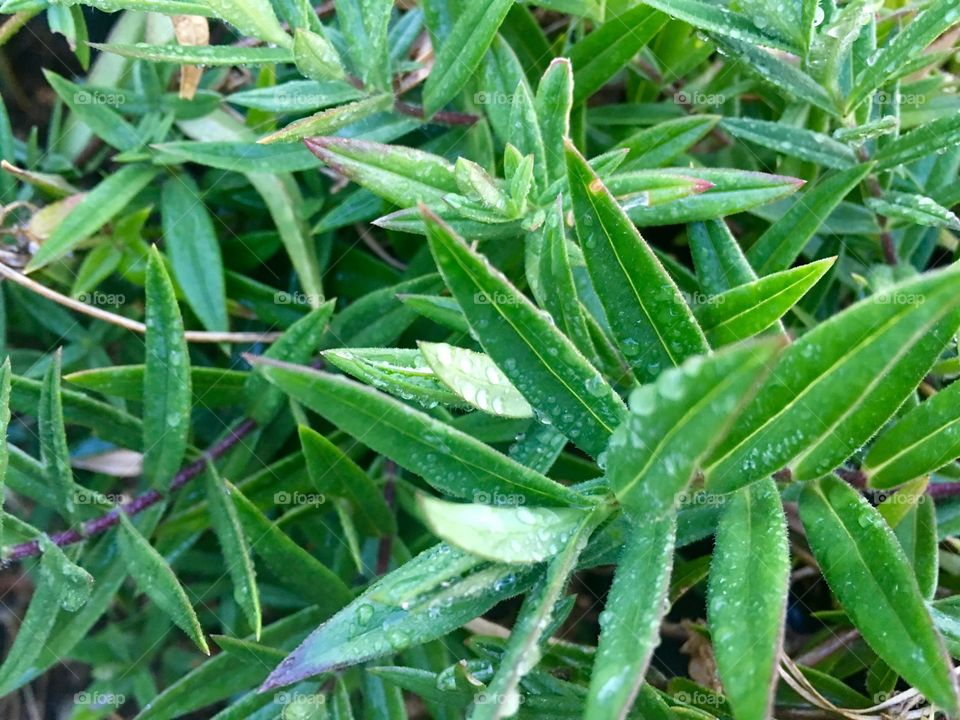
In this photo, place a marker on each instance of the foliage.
(370, 349)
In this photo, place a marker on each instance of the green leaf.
(208, 55)
(401, 372)
(333, 473)
(235, 547)
(784, 240)
(79, 409)
(252, 17)
(913, 208)
(748, 309)
(54, 451)
(792, 141)
(650, 320)
(295, 96)
(166, 380)
(157, 581)
(630, 626)
(315, 57)
(402, 175)
(524, 648)
(191, 241)
(658, 145)
(511, 533)
(727, 192)
(474, 377)
(719, 20)
(749, 578)
(920, 142)
(888, 61)
(535, 356)
(917, 535)
(553, 102)
(720, 263)
(460, 55)
(297, 345)
(924, 439)
(451, 461)
(97, 208)
(96, 113)
(833, 388)
(61, 584)
(779, 73)
(674, 422)
(238, 156)
(602, 53)
(290, 563)
(867, 571)
(329, 121)
(429, 596)
(211, 387)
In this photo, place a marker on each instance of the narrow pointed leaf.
(157, 581)
(538, 359)
(332, 472)
(834, 388)
(452, 461)
(312, 579)
(96, 209)
(674, 421)
(792, 141)
(720, 263)
(511, 533)
(917, 535)
(432, 594)
(749, 575)
(208, 55)
(523, 649)
(235, 546)
(474, 377)
(404, 176)
(923, 440)
(166, 380)
(785, 239)
(719, 20)
(54, 452)
(191, 240)
(652, 324)
(297, 345)
(600, 55)
(749, 309)
(460, 55)
(866, 569)
(630, 626)
(922, 30)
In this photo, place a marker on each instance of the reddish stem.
(138, 504)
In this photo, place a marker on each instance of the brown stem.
(827, 648)
(138, 504)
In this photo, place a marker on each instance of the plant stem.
(138, 504)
